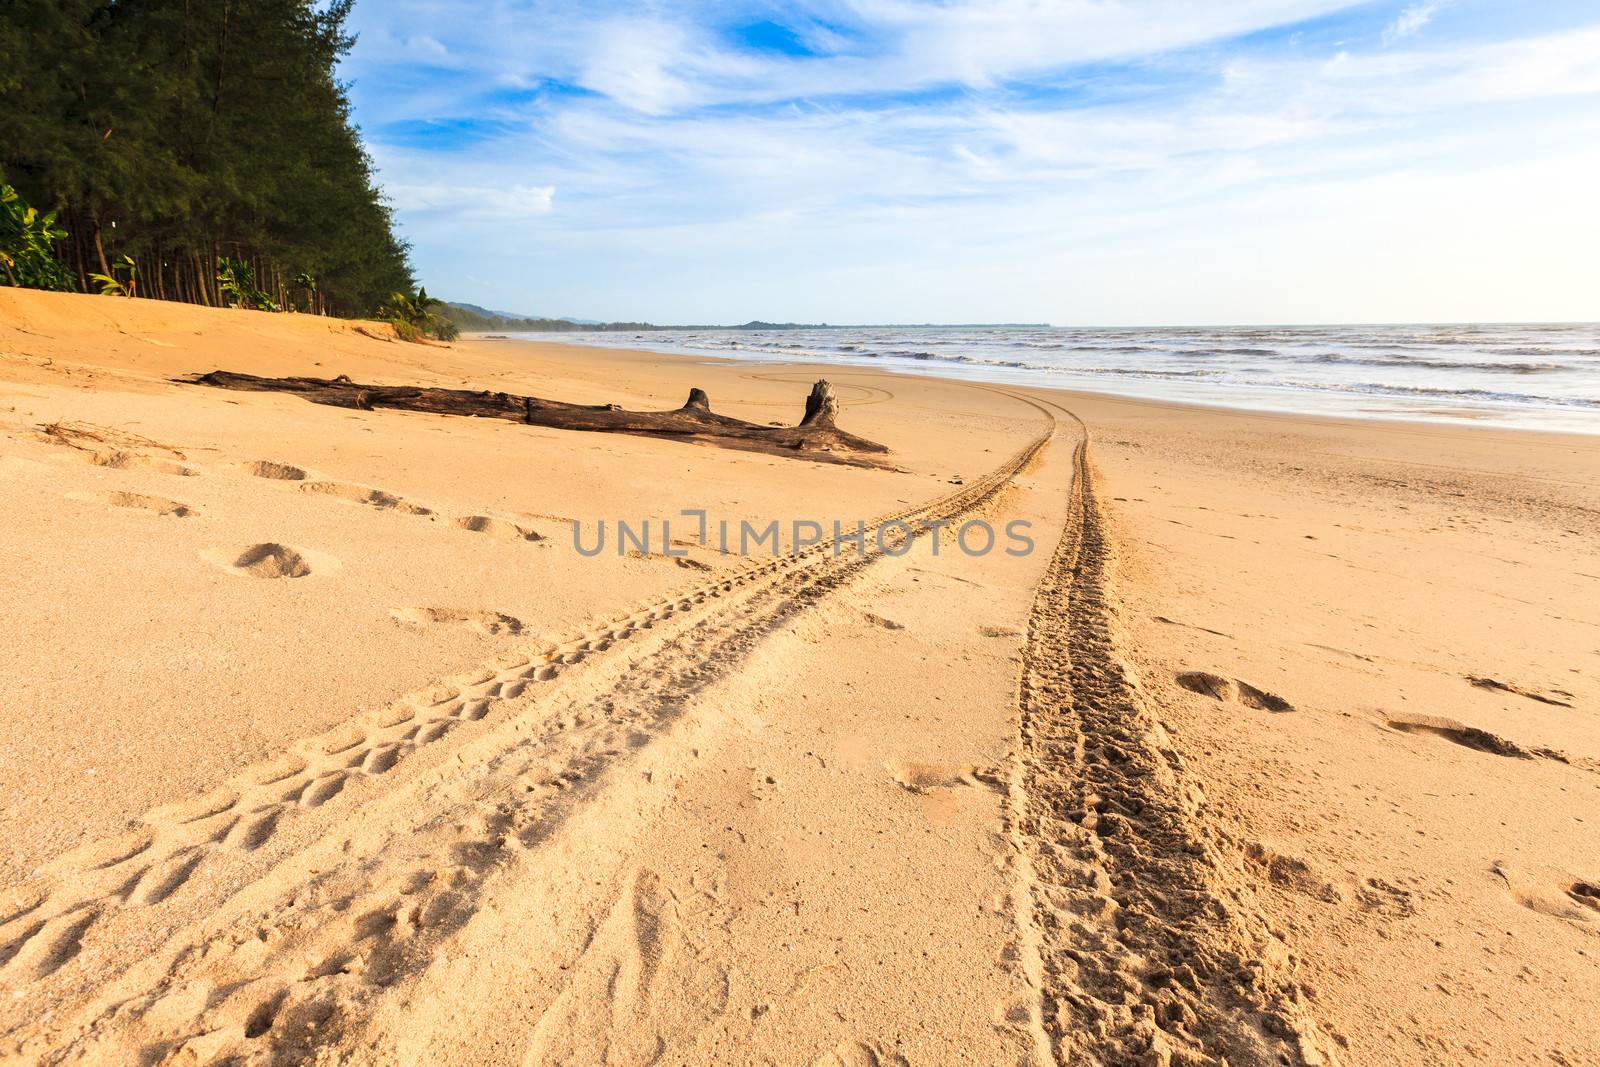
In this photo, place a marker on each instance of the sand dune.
(1278, 748)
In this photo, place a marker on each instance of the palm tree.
(413, 316)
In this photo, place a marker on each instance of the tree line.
(193, 150)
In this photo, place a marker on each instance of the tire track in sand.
(371, 900)
(1142, 947)
(96, 879)
(244, 813)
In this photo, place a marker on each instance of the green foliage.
(417, 315)
(27, 254)
(236, 280)
(413, 308)
(112, 285)
(306, 282)
(175, 133)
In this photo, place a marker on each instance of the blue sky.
(1077, 162)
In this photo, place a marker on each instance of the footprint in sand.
(107, 852)
(506, 531)
(270, 560)
(193, 809)
(1232, 690)
(916, 777)
(154, 504)
(163, 879)
(1559, 896)
(45, 946)
(1470, 737)
(489, 622)
(858, 1054)
(1459, 733)
(355, 494)
(123, 461)
(1495, 685)
(265, 468)
(638, 976)
(1293, 873)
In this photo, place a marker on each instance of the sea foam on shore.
(1544, 376)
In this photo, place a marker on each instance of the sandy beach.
(327, 745)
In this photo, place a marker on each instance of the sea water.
(1536, 376)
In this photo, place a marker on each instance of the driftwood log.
(816, 437)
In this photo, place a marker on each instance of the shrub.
(27, 244)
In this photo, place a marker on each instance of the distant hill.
(475, 319)
(478, 309)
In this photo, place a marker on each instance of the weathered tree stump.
(822, 406)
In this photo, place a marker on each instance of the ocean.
(1539, 376)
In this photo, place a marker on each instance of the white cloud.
(498, 202)
(702, 182)
(630, 61)
(426, 46)
(1412, 19)
(669, 58)
(979, 41)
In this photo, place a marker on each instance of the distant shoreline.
(1539, 378)
(473, 321)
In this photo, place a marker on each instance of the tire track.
(420, 718)
(1142, 946)
(243, 814)
(1141, 941)
(427, 854)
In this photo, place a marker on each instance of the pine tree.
(178, 133)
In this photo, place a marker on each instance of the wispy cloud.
(1412, 19)
(812, 143)
(501, 203)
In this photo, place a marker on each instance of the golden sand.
(326, 742)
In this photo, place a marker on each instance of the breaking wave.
(1462, 372)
